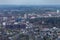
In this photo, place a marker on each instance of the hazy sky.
(30, 2)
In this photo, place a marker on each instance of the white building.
(57, 11)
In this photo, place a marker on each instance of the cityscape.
(30, 22)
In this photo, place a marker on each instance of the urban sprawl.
(29, 23)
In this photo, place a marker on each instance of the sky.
(29, 2)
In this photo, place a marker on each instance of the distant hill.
(28, 6)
